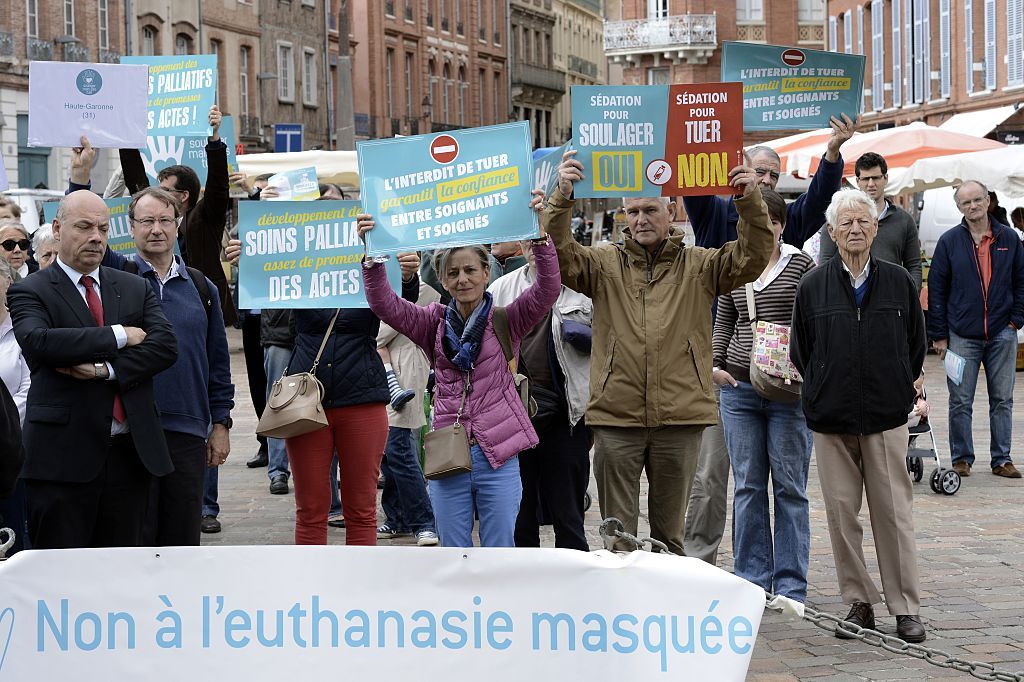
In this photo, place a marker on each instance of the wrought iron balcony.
(76, 52)
(538, 77)
(6, 44)
(582, 66)
(110, 57)
(690, 37)
(39, 50)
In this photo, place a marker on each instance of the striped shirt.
(733, 337)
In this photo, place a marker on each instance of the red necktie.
(96, 308)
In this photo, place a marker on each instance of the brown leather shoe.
(910, 629)
(861, 615)
(962, 468)
(1006, 471)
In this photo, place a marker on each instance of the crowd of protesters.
(116, 376)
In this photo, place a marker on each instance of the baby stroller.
(942, 480)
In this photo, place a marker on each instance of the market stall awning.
(978, 123)
(339, 167)
(1001, 170)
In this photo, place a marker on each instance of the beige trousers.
(875, 463)
(669, 456)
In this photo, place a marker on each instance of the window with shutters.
(309, 94)
(847, 32)
(945, 58)
(833, 34)
(969, 43)
(1015, 42)
(897, 53)
(860, 50)
(923, 29)
(878, 54)
(657, 9)
(990, 44)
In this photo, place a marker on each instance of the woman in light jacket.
(555, 355)
(460, 338)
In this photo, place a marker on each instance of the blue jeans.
(404, 498)
(767, 438)
(494, 494)
(999, 355)
(275, 360)
(210, 505)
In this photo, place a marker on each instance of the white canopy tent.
(978, 123)
(1001, 170)
(339, 167)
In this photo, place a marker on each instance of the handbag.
(772, 374)
(446, 450)
(295, 405)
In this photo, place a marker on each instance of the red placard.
(704, 138)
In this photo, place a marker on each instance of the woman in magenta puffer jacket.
(460, 337)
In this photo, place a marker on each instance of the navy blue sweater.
(196, 390)
(714, 218)
(957, 299)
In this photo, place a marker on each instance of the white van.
(31, 202)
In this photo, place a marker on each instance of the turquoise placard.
(182, 89)
(302, 254)
(449, 189)
(789, 88)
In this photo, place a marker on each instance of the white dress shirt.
(862, 277)
(120, 335)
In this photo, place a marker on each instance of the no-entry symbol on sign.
(444, 149)
(793, 57)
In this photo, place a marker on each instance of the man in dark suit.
(94, 337)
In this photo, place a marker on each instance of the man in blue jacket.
(975, 307)
(195, 395)
(714, 223)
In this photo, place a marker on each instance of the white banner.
(382, 613)
(106, 102)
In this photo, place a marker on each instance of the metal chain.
(612, 530)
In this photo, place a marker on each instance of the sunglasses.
(9, 244)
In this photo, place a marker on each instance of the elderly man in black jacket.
(859, 342)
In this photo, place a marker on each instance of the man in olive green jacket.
(650, 379)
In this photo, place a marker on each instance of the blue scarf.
(462, 339)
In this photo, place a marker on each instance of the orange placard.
(704, 138)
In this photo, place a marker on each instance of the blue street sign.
(287, 137)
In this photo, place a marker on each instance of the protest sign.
(516, 614)
(299, 184)
(434, 191)
(545, 167)
(162, 151)
(788, 88)
(302, 254)
(119, 235)
(657, 140)
(182, 89)
(106, 102)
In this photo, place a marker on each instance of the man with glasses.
(714, 224)
(897, 240)
(975, 307)
(196, 391)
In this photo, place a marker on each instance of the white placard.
(382, 613)
(106, 102)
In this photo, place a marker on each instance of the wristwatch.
(100, 368)
(227, 422)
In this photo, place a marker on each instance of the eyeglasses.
(9, 244)
(148, 223)
(871, 178)
(176, 191)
